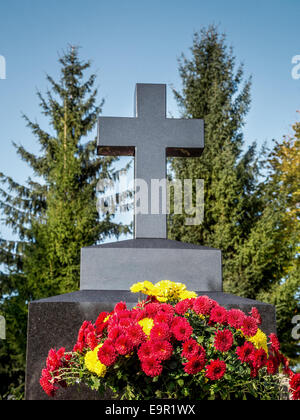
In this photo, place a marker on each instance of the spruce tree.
(54, 215)
(213, 91)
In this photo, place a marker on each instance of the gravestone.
(108, 270)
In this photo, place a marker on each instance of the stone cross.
(150, 137)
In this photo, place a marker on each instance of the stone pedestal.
(118, 265)
(54, 323)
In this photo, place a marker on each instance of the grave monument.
(108, 270)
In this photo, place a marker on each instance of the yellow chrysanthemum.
(145, 287)
(93, 364)
(164, 290)
(187, 295)
(147, 325)
(260, 340)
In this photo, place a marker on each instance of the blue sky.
(132, 41)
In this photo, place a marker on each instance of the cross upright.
(150, 137)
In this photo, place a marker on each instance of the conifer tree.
(55, 214)
(213, 91)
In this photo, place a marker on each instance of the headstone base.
(54, 323)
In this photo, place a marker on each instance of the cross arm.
(185, 137)
(116, 136)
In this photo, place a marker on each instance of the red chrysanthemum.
(163, 317)
(183, 306)
(136, 335)
(152, 367)
(100, 325)
(272, 365)
(245, 352)
(121, 306)
(223, 341)
(274, 342)
(167, 308)
(162, 350)
(145, 351)
(91, 340)
(123, 345)
(191, 349)
(160, 332)
(203, 305)
(215, 370)
(151, 310)
(78, 348)
(124, 314)
(249, 326)
(47, 384)
(218, 315)
(195, 365)
(295, 386)
(182, 330)
(54, 359)
(259, 359)
(256, 315)
(86, 329)
(107, 354)
(235, 318)
(125, 323)
(115, 333)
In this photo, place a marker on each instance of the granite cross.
(150, 137)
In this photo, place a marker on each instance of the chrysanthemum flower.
(162, 350)
(274, 342)
(235, 318)
(272, 365)
(54, 359)
(107, 354)
(47, 383)
(190, 348)
(115, 332)
(146, 324)
(91, 340)
(258, 359)
(93, 364)
(259, 340)
(160, 332)
(256, 315)
(195, 365)
(152, 309)
(218, 315)
(123, 345)
(125, 323)
(136, 335)
(183, 306)
(203, 305)
(152, 367)
(223, 340)
(167, 309)
(163, 317)
(295, 386)
(145, 351)
(249, 327)
(215, 370)
(181, 329)
(121, 306)
(186, 294)
(244, 352)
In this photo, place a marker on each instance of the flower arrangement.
(173, 345)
